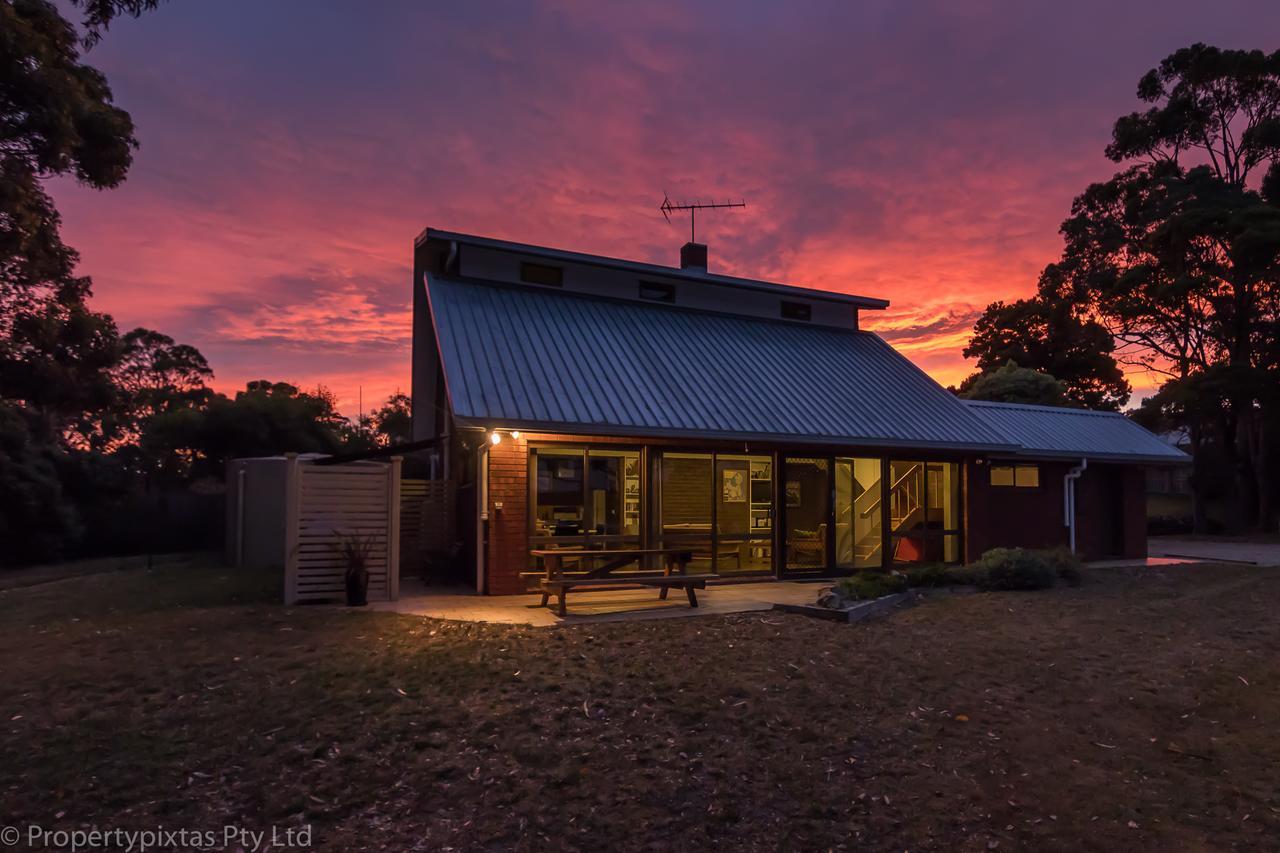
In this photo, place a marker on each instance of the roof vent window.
(656, 291)
(542, 274)
(797, 311)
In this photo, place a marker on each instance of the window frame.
(1014, 468)
(586, 540)
(659, 539)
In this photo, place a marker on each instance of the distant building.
(588, 402)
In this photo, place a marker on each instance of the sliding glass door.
(807, 494)
(720, 507)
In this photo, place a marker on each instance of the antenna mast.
(668, 208)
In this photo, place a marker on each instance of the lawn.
(1137, 711)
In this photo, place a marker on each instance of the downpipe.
(1069, 501)
(482, 516)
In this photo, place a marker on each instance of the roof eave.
(624, 431)
(1122, 458)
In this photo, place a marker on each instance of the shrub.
(1014, 569)
(868, 584)
(1065, 564)
(932, 574)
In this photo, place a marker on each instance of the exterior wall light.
(515, 433)
(495, 437)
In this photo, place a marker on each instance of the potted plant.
(355, 551)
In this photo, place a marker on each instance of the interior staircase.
(906, 509)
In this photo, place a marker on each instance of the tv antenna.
(668, 208)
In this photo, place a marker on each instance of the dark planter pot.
(357, 586)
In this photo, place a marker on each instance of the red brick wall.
(509, 526)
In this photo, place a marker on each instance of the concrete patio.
(588, 607)
(620, 605)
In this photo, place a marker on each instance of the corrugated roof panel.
(545, 358)
(1075, 433)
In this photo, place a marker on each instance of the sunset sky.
(291, 151)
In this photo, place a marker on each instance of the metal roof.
(535, 358)
(1048, 431)
(652, 269)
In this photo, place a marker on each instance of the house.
(591, 402)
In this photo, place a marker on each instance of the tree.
(266, 418)
(1047, 335)
(1013, 384)
(394, 421)
(36, 521)
(56, 118)
(56, 362)
(1178, 255)
(156, 375)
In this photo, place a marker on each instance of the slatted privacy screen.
(426, 521)
(330, 503)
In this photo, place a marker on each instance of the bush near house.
(865, 586)
(997, 570)
(1023, 569)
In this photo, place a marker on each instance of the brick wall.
(508, 527)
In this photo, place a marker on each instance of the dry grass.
(1138, 710)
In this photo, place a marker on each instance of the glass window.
(925, 511)
(944, 496)
(906, 496)
(1024, 476)
(858, 514)
(720, 506)
(559, 506)
(807, 491)
(613, 490)
(744, 514)
(585, 497)
(686, 505)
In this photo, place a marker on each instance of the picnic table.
(555, 580)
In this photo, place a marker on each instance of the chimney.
(693, 256)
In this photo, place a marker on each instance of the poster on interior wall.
(793, 493)
(733, 488)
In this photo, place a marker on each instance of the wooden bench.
(553, 580)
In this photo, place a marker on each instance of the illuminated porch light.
(515, 433)
(495, 437)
